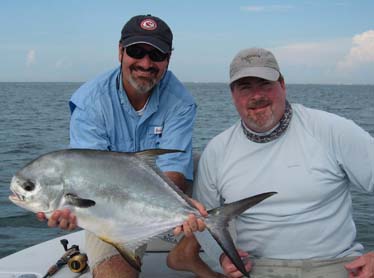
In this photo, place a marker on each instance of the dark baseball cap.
(147, 29)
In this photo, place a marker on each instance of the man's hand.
(230, 270)
(193, 223)
(362, 267)
(60, 218)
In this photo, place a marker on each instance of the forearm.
(178, 179)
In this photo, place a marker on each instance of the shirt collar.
(153, 101)
(275, 133)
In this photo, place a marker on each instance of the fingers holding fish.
(54, 220)
(191, 225)
(195, 224)
(63, 219)
(41, 216)
(177, 230)
(73, 222)
(230, 270)
(63, 223)
(201, 225)
(69, 223)
(200, 207)
(188, 226)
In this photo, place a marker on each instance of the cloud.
(30, 57)
(63, 64)
(312, 54)
(361, 52)
(313, 61)
(341, 61)
(269, 8)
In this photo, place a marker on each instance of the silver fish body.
(121, 197)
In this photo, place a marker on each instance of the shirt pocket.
(152, 138)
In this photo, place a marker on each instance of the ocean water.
(34, 119)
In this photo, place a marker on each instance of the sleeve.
(87, 128)
(177, 135)
(354, 151)
(205, 187)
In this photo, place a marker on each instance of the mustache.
(259, 103)
(139, 68)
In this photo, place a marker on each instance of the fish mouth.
(16, 197)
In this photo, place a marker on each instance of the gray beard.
(142, 87)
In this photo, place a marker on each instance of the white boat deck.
(34, 262)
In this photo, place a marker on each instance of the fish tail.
(218, 220)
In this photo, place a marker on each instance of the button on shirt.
(103, 118)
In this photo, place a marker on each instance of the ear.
(121, 49)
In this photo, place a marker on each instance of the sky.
(315, 41)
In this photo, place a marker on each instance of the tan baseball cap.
(254, 62)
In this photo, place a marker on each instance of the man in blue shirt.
(139, 105)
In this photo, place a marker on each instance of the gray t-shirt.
(312, 167)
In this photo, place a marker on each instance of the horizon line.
(205, 82)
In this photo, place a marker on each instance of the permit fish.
(123, 198)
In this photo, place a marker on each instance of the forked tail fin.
(217, 224)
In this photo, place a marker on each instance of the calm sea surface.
(34, 119)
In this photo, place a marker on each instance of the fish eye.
(29, 186)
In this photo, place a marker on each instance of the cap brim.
(260, 72)
(160, 45)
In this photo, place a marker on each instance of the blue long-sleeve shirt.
(103, 118)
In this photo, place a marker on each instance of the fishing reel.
(76, 261)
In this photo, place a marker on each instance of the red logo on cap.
(148, 24)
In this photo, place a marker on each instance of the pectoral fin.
(129, 256)
(75, 200)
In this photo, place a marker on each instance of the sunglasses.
(137, 52)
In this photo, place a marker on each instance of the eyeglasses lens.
(137, 52)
